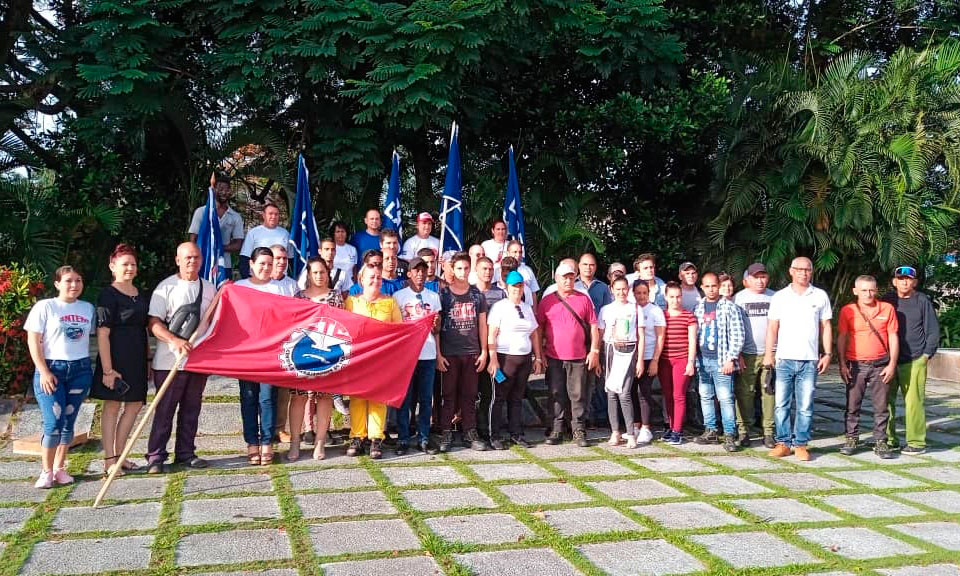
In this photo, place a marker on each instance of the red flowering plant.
(19, 290)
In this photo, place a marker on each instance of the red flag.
(297, 343)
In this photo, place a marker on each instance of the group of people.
(592, 339)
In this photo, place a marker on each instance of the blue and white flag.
(212, 266)
(304, 239)
(513, 207)
(451, 208)
(391, 207)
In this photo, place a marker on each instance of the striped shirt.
(675, 342)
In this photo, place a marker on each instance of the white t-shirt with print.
(65, 328)
(416, 305)
(652, 317)
(513, 336)
(413, 245)
(345, 258)
(619, 322)
(264, 237)
(170, 294)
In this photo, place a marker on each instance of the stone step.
(28, 428)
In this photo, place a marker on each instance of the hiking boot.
(883, 451)
(580, 437)
(553, 439)
(473, 440)
(850, 446)
(729, 444)
(709, 436)
(801, 453)
(446, 440)
(744, 441)
(768, 441)
(520, 441)
(498, 444)
(779, 451)
(356, 447)
(912, 450)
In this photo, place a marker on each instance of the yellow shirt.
(384, 309)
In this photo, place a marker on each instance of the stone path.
(543, 511)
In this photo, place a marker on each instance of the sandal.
(318, 453)
(293, 454)
(266, 455)
(375, 452)
(253, 455)
(130, 465)
(108, 468)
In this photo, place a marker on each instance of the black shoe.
(427, 447)
(472, 439)
(498, 444)
(708, 437)
(744, 441)
(446, 440)
(520, 441)
(883, 451)
(309, 437)
(402, 448)
(912, 450)
(155, 468)
(769, 442)
(388, 441)
(195, 462)
(553, 439)
(356, 447)
(850, 446)
(730, 445)
(580, 437)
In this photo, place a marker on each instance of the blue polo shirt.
(599, 293)
(363, 241)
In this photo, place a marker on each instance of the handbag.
(186, 318)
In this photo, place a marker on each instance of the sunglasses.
(905, 271)
(519, 311)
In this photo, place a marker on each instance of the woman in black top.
(120, 379)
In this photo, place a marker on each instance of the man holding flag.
(217, 217)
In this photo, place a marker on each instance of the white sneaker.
(645, 436)
(631, 440)
(61, 477)
(340, 406)
(45, 480)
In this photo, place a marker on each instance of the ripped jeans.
(60, 409)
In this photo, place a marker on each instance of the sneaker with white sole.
(45, 480)
(61, 477)
(645, 436)
(339, 405)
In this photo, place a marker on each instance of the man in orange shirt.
(869, 348)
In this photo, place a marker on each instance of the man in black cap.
(754, 299)
(919, 334)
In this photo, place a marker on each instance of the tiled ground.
(546, 510)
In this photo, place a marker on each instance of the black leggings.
(510, 393)
(643, 402)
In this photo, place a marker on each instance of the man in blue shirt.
(368, 239)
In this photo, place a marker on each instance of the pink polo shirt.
(565, 338)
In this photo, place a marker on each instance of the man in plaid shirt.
(720, 340)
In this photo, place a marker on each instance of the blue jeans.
(419, 395)
(713, 382)
(258, 412)
(59, 410)
(795, 378)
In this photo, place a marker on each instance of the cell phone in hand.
(121, 387)
(499, 377)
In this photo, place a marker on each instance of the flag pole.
(115, 469)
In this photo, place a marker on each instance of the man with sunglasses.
(798, 318)
(415, 302)
(919, 335)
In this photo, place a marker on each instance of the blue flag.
(451, 208)
(304, 239)
(391, 207)
(513, 207)
(212, 266)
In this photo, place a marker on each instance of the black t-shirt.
(460, 331)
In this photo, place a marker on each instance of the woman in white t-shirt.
(620, 326)
(345, 256)
(654, 327)
(258, 401)
(58, 334)
(512, 332)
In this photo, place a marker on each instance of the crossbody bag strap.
(873, 329)
(583, 324)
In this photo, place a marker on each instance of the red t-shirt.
(676, 338)
(562, 331)
(863, 344)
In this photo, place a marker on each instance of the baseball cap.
(514, 278)
(564, 269)
(615, 267)
(905, 272)
(687, 265)
(416, 262)
(424, 217)
(756, 268)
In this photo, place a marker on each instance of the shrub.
(19, 290)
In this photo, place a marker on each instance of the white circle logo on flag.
(317, 351)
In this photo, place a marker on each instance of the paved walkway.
(550, 510)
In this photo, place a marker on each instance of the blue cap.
(514, 278)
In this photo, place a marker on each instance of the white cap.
(564, 269)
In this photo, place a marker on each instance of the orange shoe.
(801, 453)
(779, 451)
